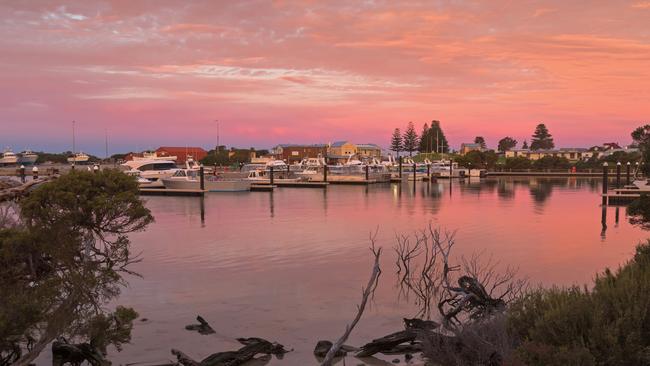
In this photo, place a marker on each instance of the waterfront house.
(296, 152)
(571, 154)
(369, 151)
(182, 153)
(467, 147)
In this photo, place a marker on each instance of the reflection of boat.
(152, 170)
(27, 157)
(8, 157)
(189, 179)
(79, 158)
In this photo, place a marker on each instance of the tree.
(65, 260)
(396, 143)
(410, 139)
(641, 137)
(525, 145)
(438, 138)
(542, 139)
(481, 141)
(506, 143)
(425, 142)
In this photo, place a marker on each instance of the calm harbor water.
(288, 266)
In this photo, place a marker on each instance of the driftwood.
(75, 354)
(393, 343)
(252, 347)
(366, 293)
(203, 327)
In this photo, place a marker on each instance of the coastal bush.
(552, 162)
(518, 163)
(607, 325)
(64, 259)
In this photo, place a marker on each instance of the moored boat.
(27, 157)
(189, 179)
(8, 157)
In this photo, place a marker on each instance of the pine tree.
(410, 139)
(425, 142)
(542, 139)
(396, 142)
(525, 145)
(436, 138)
(481, 141)
(506, 144)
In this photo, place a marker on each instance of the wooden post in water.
(618, 175)
(415, 170)
(429, 171)
(627, 173)
(367, 173)
(271, 174)
(325, 173)
(22, 173)
(451, 168)
(400, 167)
(288, 171)
(605, 181)
(35, 172)
(202, 178)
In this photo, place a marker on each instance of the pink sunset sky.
(160, 72)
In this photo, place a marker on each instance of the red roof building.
(181, 153)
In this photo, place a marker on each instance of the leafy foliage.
(410, 139)
(507, 143)
(518, 163)
(66, 260)
(641, 137)
(433, 139)
(542, 139)
(396, 143)
(551, 162)
(608, 325)
(478, 159)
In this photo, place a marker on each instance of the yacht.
(79, 158)
(189, 179)
(151, 170)
(27, 157)
(8, 158)
(152, 155)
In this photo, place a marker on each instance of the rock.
(396, 360)
(322, 347)
(408, 356)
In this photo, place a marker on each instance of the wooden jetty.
(263, 187)
(622, 195)
(171, 192)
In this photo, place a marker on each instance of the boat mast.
(73, 141)
(106, 143)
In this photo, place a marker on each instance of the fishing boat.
(8, 157)
(27, 157)
(263, 176)
(189, 179)
(79, 158)
(152, 155)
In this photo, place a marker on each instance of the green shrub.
(609, 325)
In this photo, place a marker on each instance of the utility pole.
(216, 148)
(106, 143)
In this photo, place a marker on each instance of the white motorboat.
(152, 170)
(263, 176)
(27, 157)
(642, 184)
(189, 179)
(8, 157)
(79, 158)
(152, 155)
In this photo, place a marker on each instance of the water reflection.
(295, 277)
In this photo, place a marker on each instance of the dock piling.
(202, 177)
(21, 171)
(325, 173)
(627, 173)
(618, 175)
(367, 173)
(271, 168)
(451, 168)
(400, 167)
(415, 171)
(429, 171)
(35, 172)
(605, 181)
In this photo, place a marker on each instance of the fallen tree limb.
(252, 347)
(203, 327)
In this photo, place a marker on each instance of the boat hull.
(212, 186)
